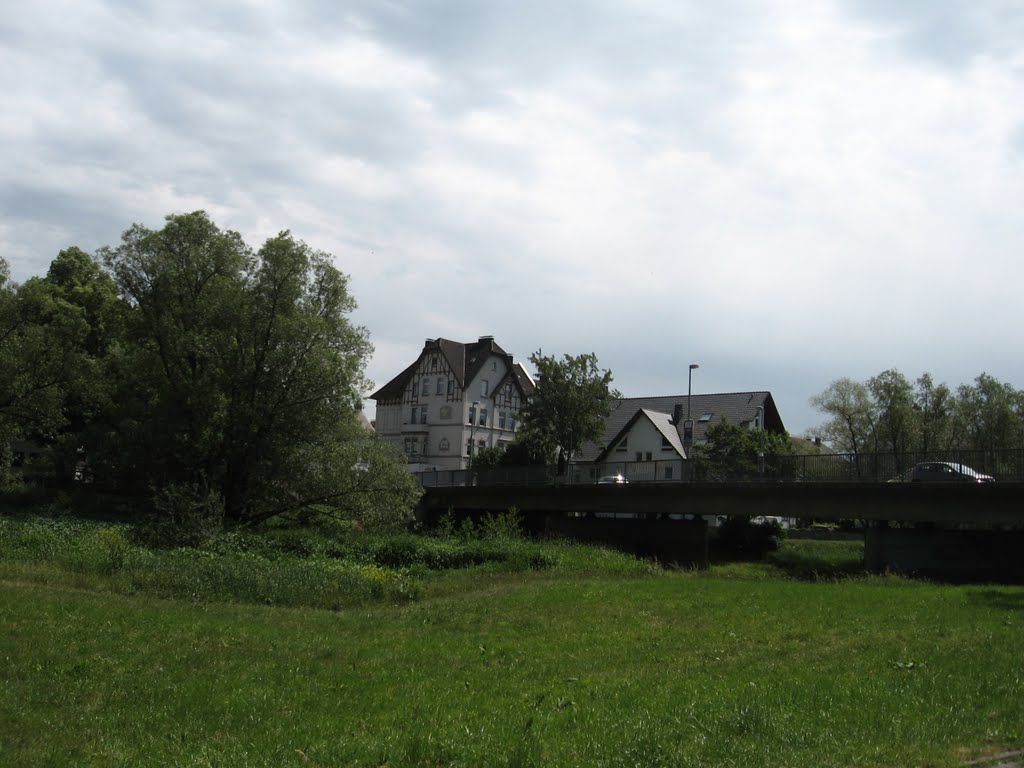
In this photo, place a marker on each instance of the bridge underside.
(953, 530)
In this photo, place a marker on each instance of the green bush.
(741, 535)
(183, 515)
(116, 547)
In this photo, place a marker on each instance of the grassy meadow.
(482, 649)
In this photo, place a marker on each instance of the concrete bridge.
(959, 530)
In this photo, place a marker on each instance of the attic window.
(706, 417)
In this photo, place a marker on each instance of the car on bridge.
(946, 471)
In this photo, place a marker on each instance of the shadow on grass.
(818, 560)
(995, 598)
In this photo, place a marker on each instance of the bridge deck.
(989, 503)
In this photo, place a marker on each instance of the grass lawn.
(741, 665)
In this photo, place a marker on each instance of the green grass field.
(591, 659)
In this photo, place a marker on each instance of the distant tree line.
(890, 414)
(186, 368)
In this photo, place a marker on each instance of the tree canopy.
(889, 414)
(569, 407)
(226, 373)
(734, 453)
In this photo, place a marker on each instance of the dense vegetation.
(889, 414)
(219, 385)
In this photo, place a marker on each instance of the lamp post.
(472, 429)
(688, 426)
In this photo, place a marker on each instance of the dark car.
(946, 471)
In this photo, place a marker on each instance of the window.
(469, 447)
(639, 456)
(512, 422)
(485, 388)
(623, 446)
(481, 444)
(665, 444)
(502, 416)
(440, 387)
(412, 420)
(706, 417)
(451, 387)
(648, 456)
(423, 414)
(472, 415)
(425, 387)
(668, 472)
(444, 446)
(483, 417)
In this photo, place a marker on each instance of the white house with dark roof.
(454, 400)
(646, 437)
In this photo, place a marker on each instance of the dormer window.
(623, 446)
(706, 418)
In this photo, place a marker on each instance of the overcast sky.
(785, 192)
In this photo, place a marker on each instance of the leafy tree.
(569, 407)
(933, 404)
(848, 405)
(77, 282)
(41, 338)
(242, 374)
(989, 415)
(734, 453)
(488, 458)
(894, 419)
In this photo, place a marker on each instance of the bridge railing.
(1006, 465)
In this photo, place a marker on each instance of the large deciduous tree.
(934, 405)
(242, 375)
(42, 354)
(569, 407)
(734, 453)
(894, 420)
(888, 414)
(847, 403)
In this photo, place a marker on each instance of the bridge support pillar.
(945, 553)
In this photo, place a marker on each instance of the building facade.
(453, 401)
(651, 438)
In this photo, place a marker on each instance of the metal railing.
(1005, 466)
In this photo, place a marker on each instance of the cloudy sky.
(785, 192)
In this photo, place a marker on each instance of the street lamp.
(688, 426)
(472, 428)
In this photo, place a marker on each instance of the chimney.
(677, 414)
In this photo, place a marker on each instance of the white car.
(612, 480)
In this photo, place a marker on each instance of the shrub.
(115, 546)
(183, 515)
(745, 536)
(502, 526)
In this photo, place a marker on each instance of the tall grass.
(286, 567)
(682, 669)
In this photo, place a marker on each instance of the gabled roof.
(465, 361)
(661, 422)
(739, 408)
